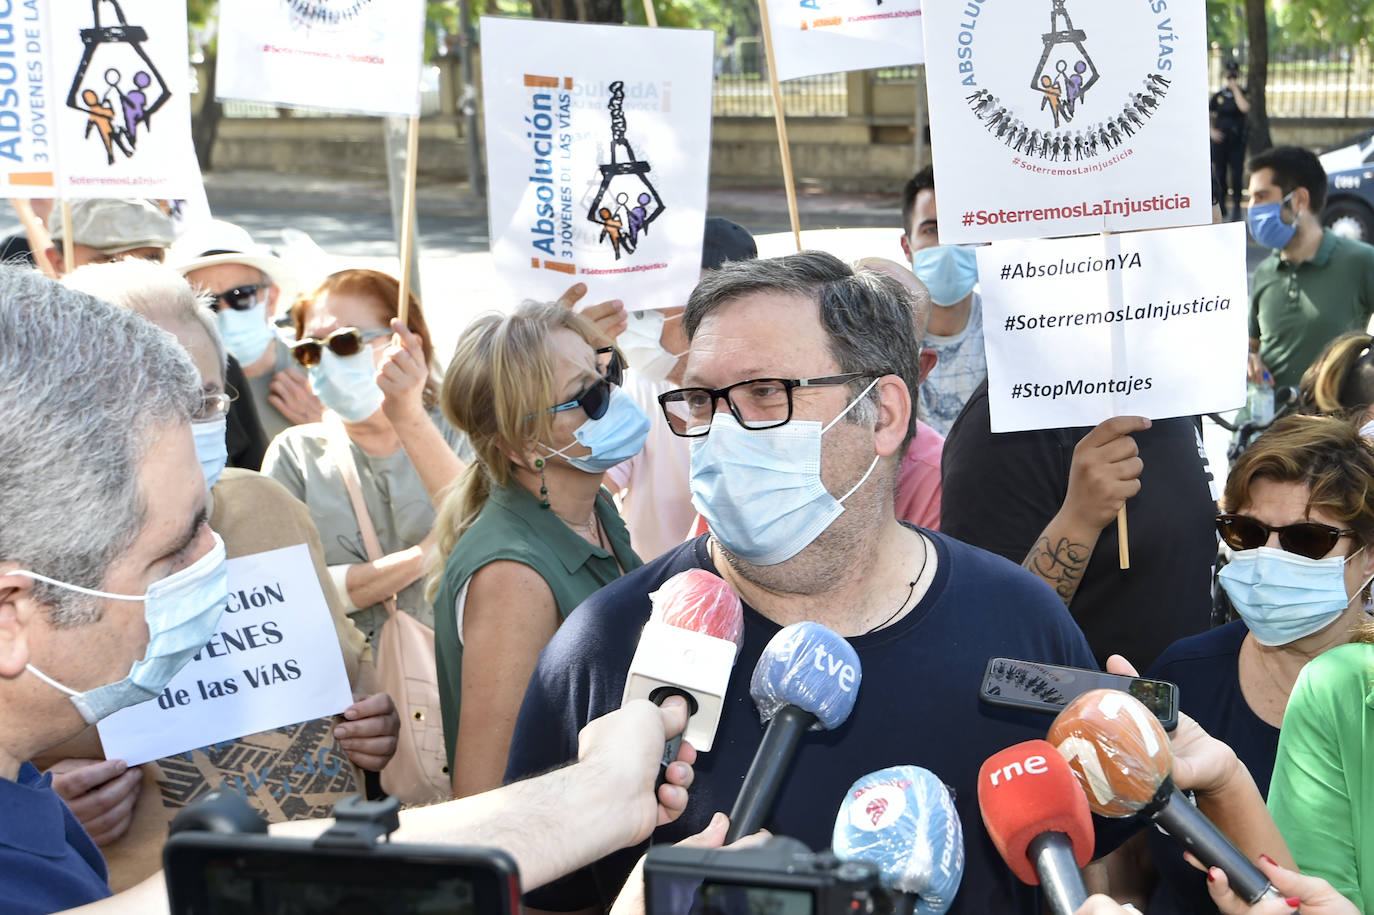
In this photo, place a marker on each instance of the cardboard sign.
(28, 138)
(1080, 330)
(1064, 117)
(350, 55)
(834, 36)
(597, 163)
(275, 662)
(120, 91)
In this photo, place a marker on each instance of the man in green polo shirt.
(1316, 285)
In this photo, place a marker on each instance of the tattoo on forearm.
(1061, 565)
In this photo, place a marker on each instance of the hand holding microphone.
(1039, 820)
(806, 678)
(903, 820)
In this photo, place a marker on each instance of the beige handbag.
(418, 773)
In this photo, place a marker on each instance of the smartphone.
(1049, 687)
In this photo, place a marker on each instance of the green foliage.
(1314, 23)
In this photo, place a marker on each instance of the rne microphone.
(1123, 761)
(688, 649)
(1039, 820)
(902, 819)
(807, 677)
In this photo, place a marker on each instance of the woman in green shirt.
(528, 532)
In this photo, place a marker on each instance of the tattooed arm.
(1105, 473)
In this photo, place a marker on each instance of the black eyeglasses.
(759, 403)
(597, 396)
(346, 341)
(1306, 538)
(240, 298)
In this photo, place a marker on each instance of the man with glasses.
(250, 288)
(795, 442)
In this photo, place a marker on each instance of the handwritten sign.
(834, 36)
(349, 55)
(1149, 324)
(275, 662)
(1064, 117)
(597, 163)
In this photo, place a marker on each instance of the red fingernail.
(1293, 901)
(1269, 860)
(1210, 878)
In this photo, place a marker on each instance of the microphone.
(807, 677)
(1039, 820)
(1123, 760)
(688, 649)
(902, 819)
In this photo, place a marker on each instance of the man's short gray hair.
(85, 387)
(867, 316)
(156, 291)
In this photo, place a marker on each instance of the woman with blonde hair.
(528, 532)
(1341, 380)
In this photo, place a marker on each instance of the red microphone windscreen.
(1026, 791)
(1116, 747)
(701, 602)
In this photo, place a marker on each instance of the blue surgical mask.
(1266, 224)
(182, 612)
(640, 341)
(613, 439)
(1282, 596)
(211, 449)
(761, 491)
(347, 384)
(246, 334)
(949, 271)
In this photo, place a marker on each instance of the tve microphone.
(807, 677)
(1123, 760)
(903, 820)
(1039, 820)
(688, 649)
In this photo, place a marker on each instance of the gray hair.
(867, 316)
(86, 386)
(156, 291)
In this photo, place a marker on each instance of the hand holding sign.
(368, 734)
(1105, 472)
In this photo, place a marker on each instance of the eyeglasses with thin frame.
(240, 298)
(596, 397)
(346, 341)
(758, 403)
(213, 407)
(1311, 539)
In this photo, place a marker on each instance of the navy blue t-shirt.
(918, 703)
(1205, 667)
(47, 862)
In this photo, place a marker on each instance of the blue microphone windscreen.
(903, 820)
(808, 666)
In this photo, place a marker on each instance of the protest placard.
(350, 55)
(834, 36)
(1148, 324)
(1045, 125)
(120, 87)
(28, 143)
(274, 662)
(597, 163)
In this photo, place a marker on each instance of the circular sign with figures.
(326, 13)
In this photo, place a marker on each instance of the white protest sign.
(1082, 329)
(597, 163)
(350, 55)
(274, 662)
(28, 147)
(834, 36)
(122, 110)
(1063, 117)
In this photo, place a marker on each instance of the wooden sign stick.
(649, 15)
(407, 219)
(1123, 543)
(781, 120)
(68, 245)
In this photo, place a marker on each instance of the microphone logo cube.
(695, 663)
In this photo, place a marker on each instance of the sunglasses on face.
(240, 298)
(346, 341)
(597, 395)
(1306, 538)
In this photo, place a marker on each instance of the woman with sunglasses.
(1301, 525)
(528, 531)
(342, 330)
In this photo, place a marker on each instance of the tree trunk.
(1257, 27)
(205, 125)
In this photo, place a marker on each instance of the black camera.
(220, 860)
(781, 876)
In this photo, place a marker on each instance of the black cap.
(726, 241)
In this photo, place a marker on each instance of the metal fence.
(746, 95)
(1330, 82)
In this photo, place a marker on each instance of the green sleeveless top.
(513, 526)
